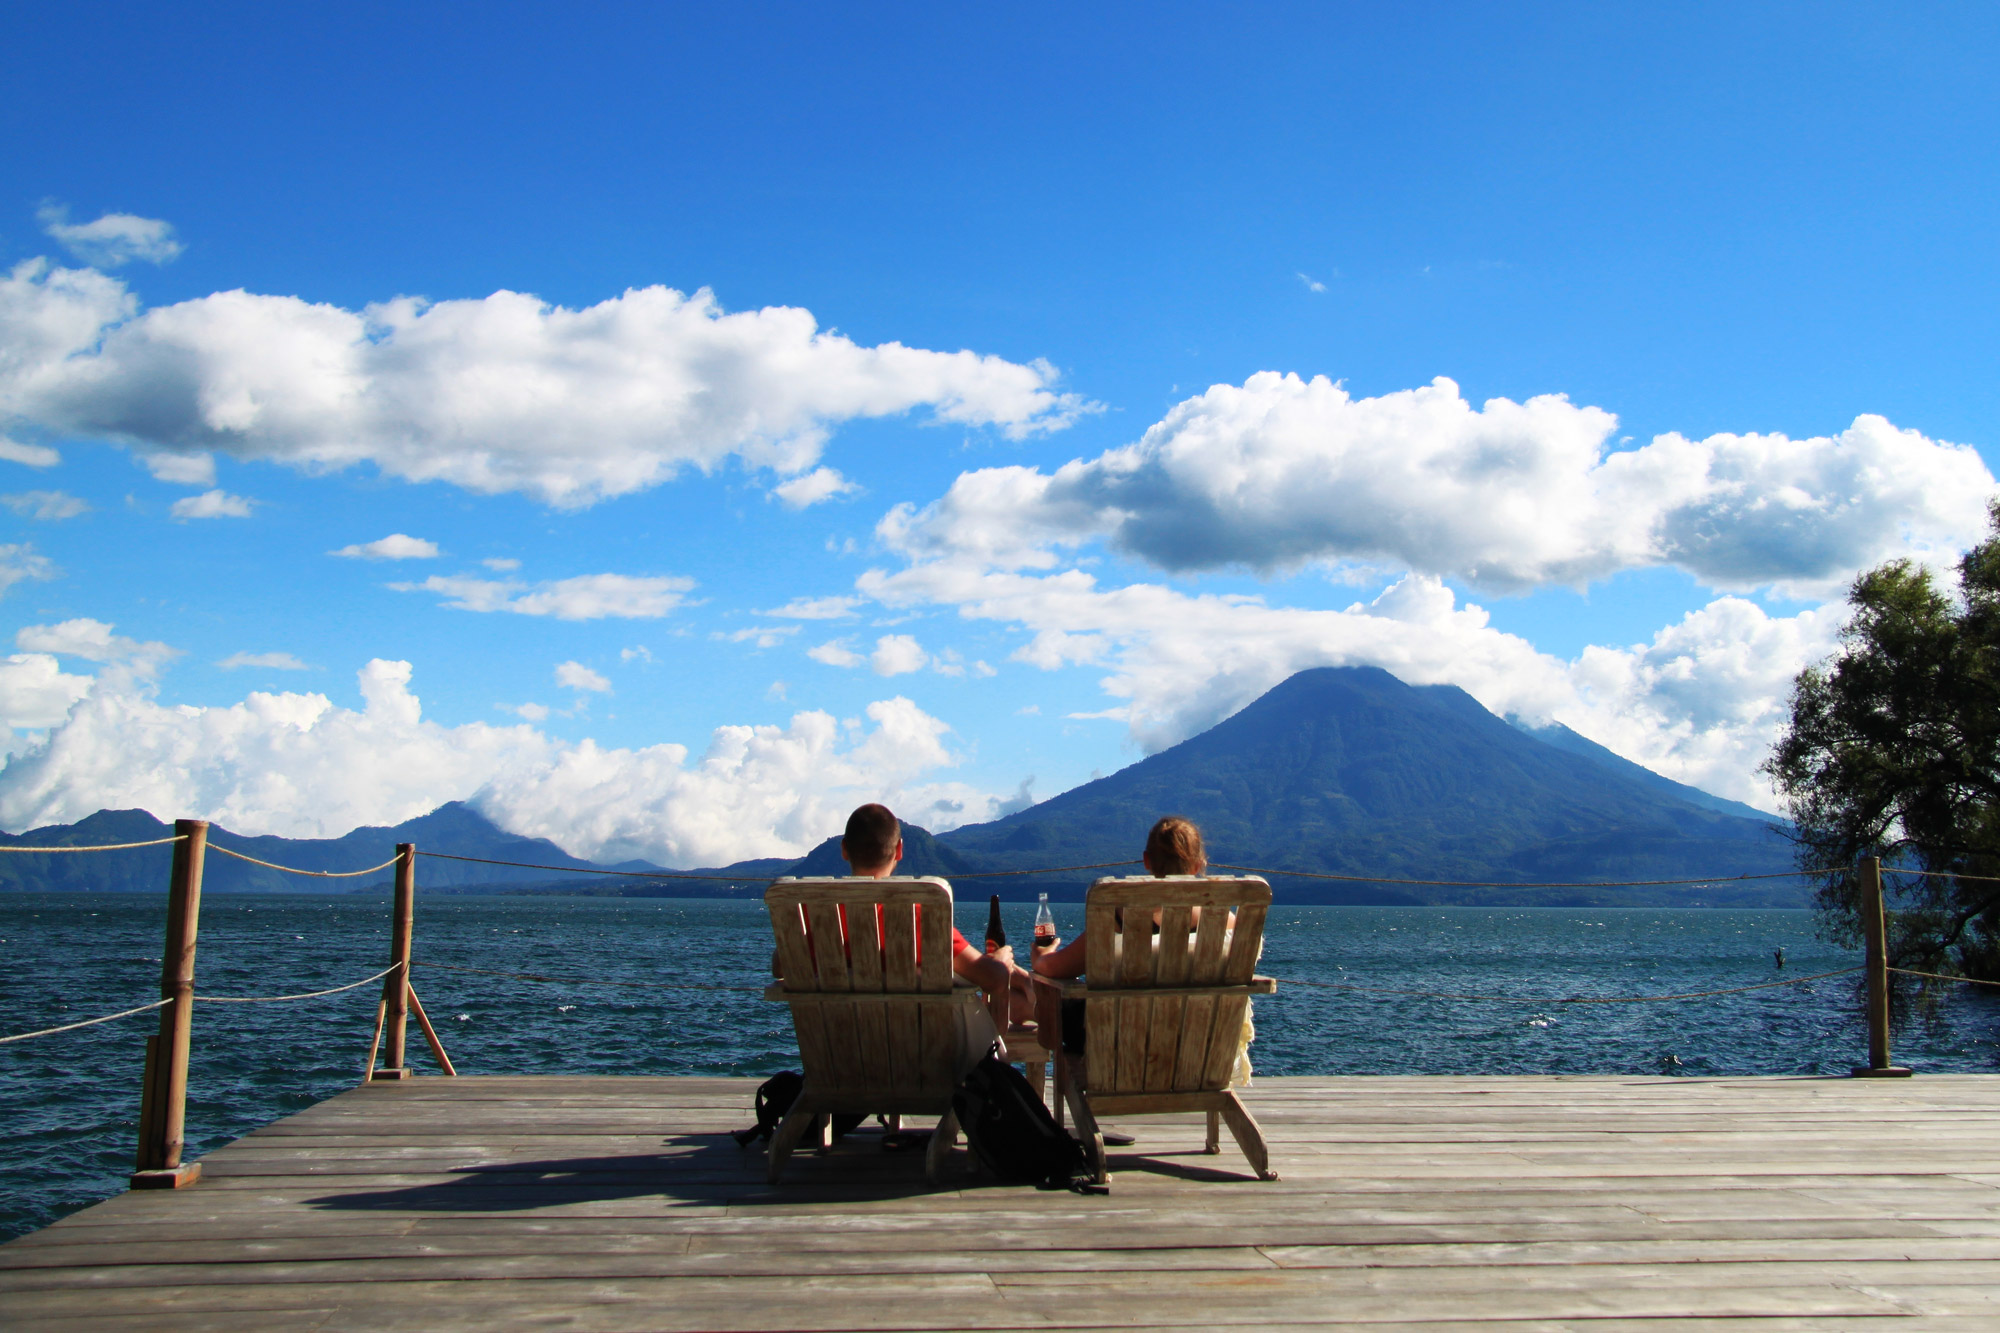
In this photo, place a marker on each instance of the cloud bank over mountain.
(299, 765)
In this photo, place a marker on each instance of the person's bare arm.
(1063, 962)
(991, 974)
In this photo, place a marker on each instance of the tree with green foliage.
(1894, 751)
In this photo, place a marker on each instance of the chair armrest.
(960, 992)
(1078, 990)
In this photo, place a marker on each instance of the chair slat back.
(857, 934)
(861, 937)
(1168, 1043)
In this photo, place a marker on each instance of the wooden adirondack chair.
(884, 1027)
(1164, 1015)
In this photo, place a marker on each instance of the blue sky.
(1731, 273)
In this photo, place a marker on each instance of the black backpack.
(1014, 1136)
(775, 1096)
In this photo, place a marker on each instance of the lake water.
(69, 1103)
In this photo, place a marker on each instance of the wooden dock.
(1421, 1202)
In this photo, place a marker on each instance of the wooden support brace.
(431, 1036)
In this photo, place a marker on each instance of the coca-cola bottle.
(1045, 928)
(996, 934)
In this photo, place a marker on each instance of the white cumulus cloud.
(94, 641)
(815, 608)
(586, 597)
(505, 393)
(897, 655)
(210, 504)
(265, 661)
(1282, 471)
(822, 483)
(19, 563)
(32, 455)
(35, 692)
(46, 505)
(395, 546)
(763, 636)
(196, 469)
(111, 240)
(302, 766)
(577, 676)
(835, 653)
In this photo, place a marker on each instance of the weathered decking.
(616, 1203)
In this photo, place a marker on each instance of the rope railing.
(201, 999)
(1217, 865)
(88, 1022)
(1940, 976)
(1569, 999)
(106, 847)
(1518, 884)
(590, 981)
(1287, 981)
(294, 870)
(591, 870)
(302, 995)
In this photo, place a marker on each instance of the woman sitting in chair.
(1172, 848)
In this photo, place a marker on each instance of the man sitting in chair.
(872, 846)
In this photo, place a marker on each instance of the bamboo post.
(163, 1101)
(396, 986)
(1874, 928)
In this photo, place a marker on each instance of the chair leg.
(824, 1143)
(790, 1130)
(1213, 1144)
(1037, 1077)
(942, 1139)
(1062, 1086)
(1248, 1136)
(1086, 1128)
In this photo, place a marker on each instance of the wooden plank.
(1255, 986)
(1135, 948)
(1225, 1039)
(1640, 1205)
(1206, 967)
(864, 938)
(1100, 1042)
(1197, 1022)
(829, 945)
(1135, 1031)
(1246, 942)
(899, 948)
(1176, 930)
(1163, 1043)
(940, 1044)
(1202, 890)
(794, 957)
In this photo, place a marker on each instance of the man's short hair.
(1174, 848)
(872, 834)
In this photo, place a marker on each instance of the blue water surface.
(69, 1103)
